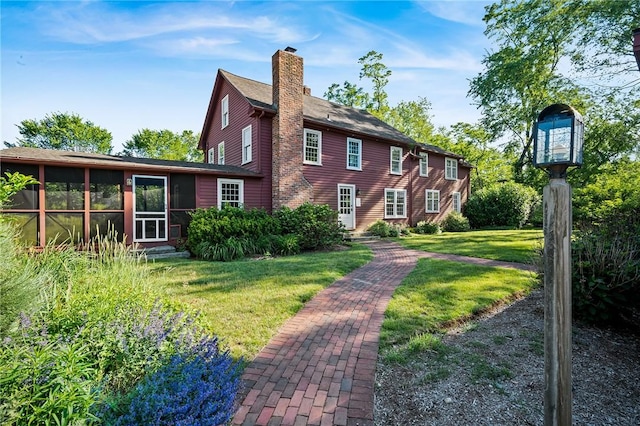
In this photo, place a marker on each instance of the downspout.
(260, 141)
(259, 136)
(410, 197)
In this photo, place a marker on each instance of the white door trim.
(348, 219)
(141, 218)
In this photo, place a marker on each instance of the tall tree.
(539, 44)
(164, 144)
(352, 95)
(475, 143)
(349, 94)
(378, 73)
(411, 117)
(63, 131)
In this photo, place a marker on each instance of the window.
(27, 199)
(211, 156)
(182, 200)
(396, 160)
(455, 196)
(433, 201)
(64, 188)
(182, 193)
(221, 153)
(424, 164)
(451, 168)
(312, 147)
(224, 107)
(106, 189)
(230, 193)
(395, 203)
(246, 144)
(354, 154)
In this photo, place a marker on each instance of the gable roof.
(321, 111)
(84, 159)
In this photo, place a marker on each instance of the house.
(265, 146)
(310, 149)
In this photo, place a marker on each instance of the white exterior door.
(149, 208)
(346, 205)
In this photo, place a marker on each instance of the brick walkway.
(320, 368)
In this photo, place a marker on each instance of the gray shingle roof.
(322, 111)
(37, 155)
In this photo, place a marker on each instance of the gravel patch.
(491, 372)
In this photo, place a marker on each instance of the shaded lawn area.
(245, 302)
(438, 293)
(513, 245)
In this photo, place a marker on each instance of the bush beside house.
(505, 204)
(232, 233)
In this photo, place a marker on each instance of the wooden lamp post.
(558, 139)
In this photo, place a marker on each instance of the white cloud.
(99, 23)
(463, 12)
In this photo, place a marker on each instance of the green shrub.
(606, 267)
(101, 331)
(424, 227)
(284, 245)
(316, 226)
(46, 381)
(507, 204)
(12, 184)
(381, 229)
(455, 222)
(217, 230)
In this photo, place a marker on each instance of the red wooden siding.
(232, 134)
(375, 177)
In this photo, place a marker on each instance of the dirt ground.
(491, 372)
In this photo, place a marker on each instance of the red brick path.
(320, 368)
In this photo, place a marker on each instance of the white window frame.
(358, 143)
(451, 168)
(211, 155)
(306, 147)
(224, 111)
(395, 214)
(455, 202)
(432, 201)
(247, 144)
(395, 166)
(424, 164)
(221, 153)
(238, 182)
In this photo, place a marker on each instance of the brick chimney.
(290, 188)
(636, 45)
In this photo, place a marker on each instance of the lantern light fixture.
(558, 138)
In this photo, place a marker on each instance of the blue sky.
(137, 64)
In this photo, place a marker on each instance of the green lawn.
(245, 302)
(439, 293)
(506, 245)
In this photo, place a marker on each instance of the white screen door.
(150, 208)
(346, 205)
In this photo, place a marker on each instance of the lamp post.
(558, 139)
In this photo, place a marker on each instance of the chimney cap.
(290, 49)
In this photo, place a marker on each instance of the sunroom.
(81, 195)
